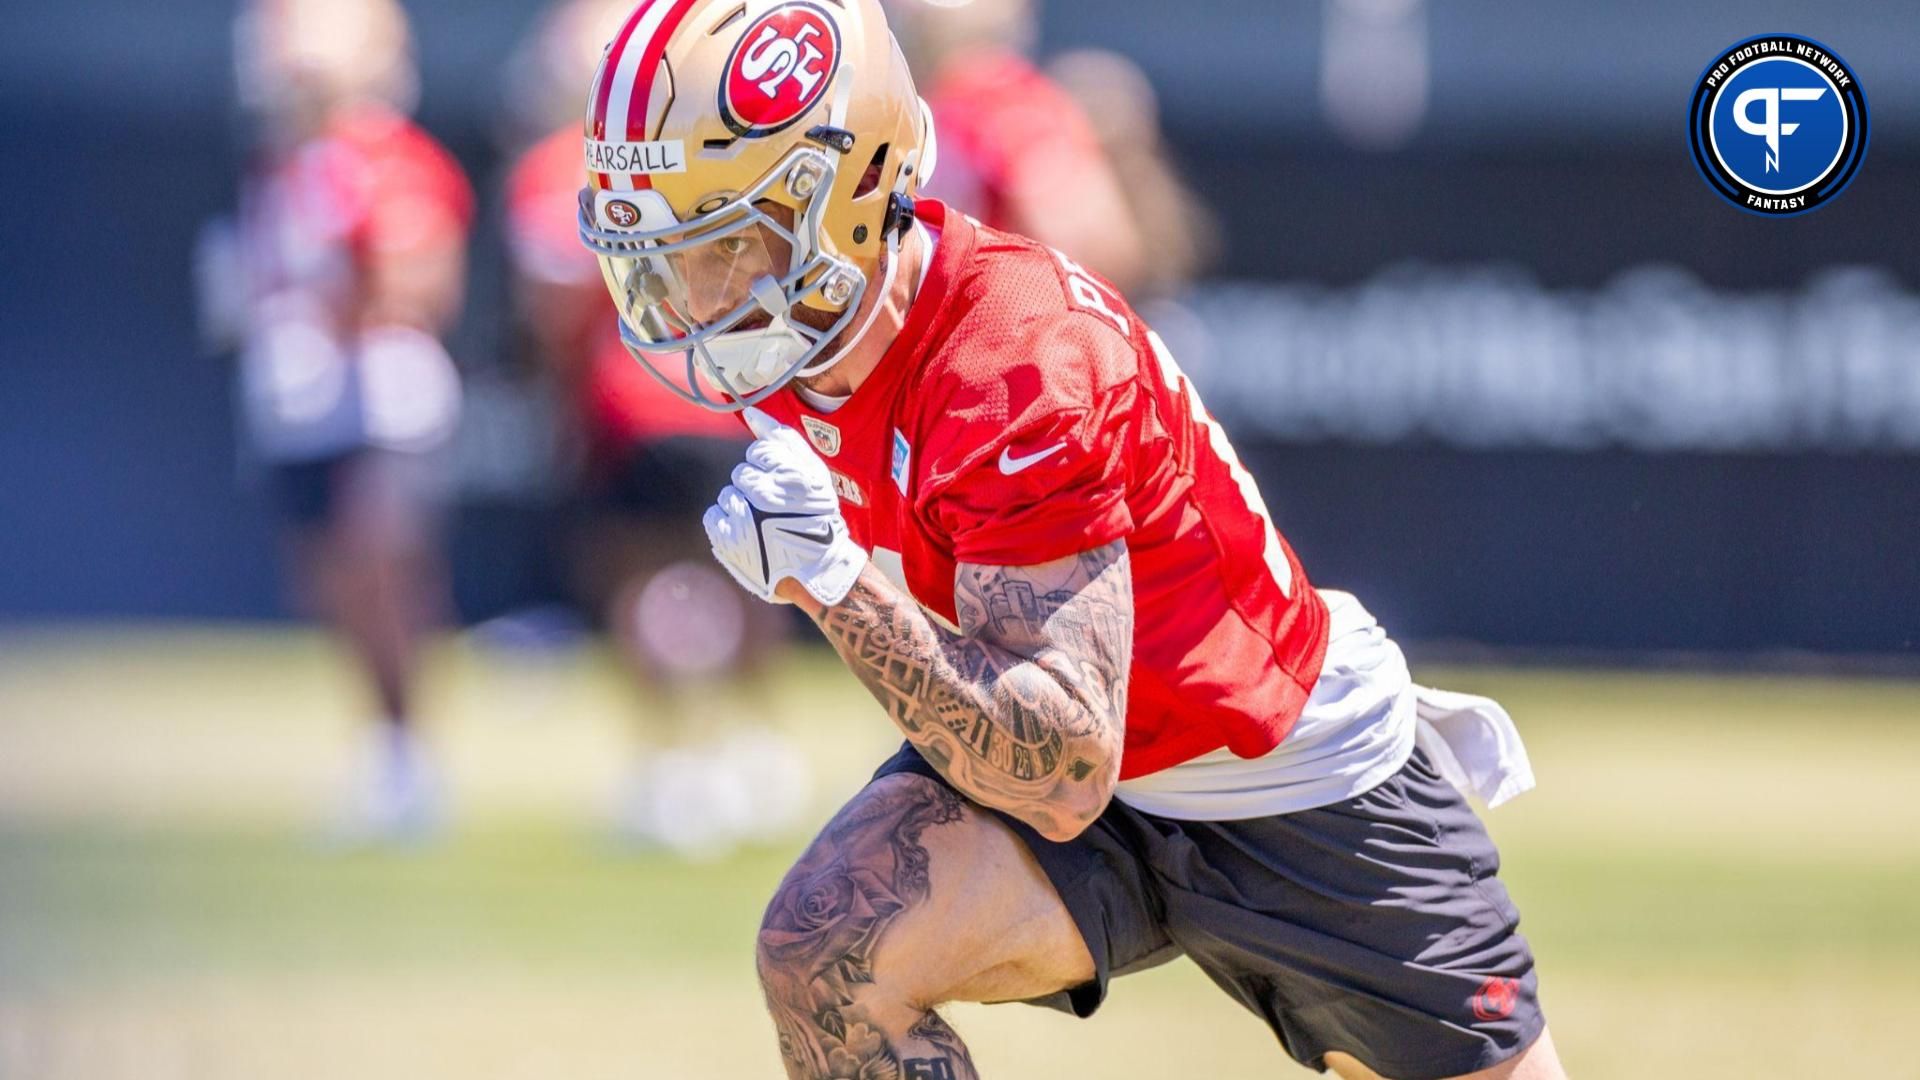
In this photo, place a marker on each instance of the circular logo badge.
(622, 213)
(1497, 998)
(1778, 125)
(779, 70)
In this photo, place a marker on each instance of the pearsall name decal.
(636, 158)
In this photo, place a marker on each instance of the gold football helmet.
(751, 169)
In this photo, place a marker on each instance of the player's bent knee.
(915, 895)
(822, 932)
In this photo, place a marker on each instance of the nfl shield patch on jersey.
(824, 436)
(902, 460)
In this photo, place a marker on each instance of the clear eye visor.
(707, 305)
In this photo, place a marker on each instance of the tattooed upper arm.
(1061, 715)
(1073, 617)
(1024, 710)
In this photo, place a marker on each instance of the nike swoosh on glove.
(780, 518)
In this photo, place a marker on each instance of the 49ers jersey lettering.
(1273, 552)
(1087, 293)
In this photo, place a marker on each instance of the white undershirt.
(1358, 729)
(1361, 725)
(819, 402)
(827, 403)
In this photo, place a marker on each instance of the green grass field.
(1721, 877)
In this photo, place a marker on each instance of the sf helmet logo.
(622, 213)
(1779, 124)
(780, 69)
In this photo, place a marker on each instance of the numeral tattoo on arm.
(1024, 709)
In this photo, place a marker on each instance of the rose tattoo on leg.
(819, 935)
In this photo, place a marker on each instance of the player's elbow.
(1083, 796)
(1061, 826)
(1067, 819)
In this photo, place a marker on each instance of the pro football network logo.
(1778, 125)
(779, 70)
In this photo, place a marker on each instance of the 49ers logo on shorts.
(1496, 999)
(779, 70)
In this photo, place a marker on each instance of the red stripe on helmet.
(640, 103)
(603, 92)
(612, 64)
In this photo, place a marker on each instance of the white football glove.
(781, 519)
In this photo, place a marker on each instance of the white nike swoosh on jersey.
(1010, 465)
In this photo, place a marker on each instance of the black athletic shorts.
(1375, 926)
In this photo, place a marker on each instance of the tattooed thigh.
(911, 897)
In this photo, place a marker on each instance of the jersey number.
(1178, 383)
(1087, 292)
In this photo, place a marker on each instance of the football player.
(350, 262)
(1134, 730)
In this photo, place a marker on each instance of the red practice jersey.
(1025, 414)
(372, 181)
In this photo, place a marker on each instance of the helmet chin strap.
(873, 315)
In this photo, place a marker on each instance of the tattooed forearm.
(819, 936)
(1024, 709)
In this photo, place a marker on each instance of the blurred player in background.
(1167, 217)
(1017, 151)
(648, 464)
(344, 270)
(1133, 728)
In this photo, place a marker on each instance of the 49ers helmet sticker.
(779, 70)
